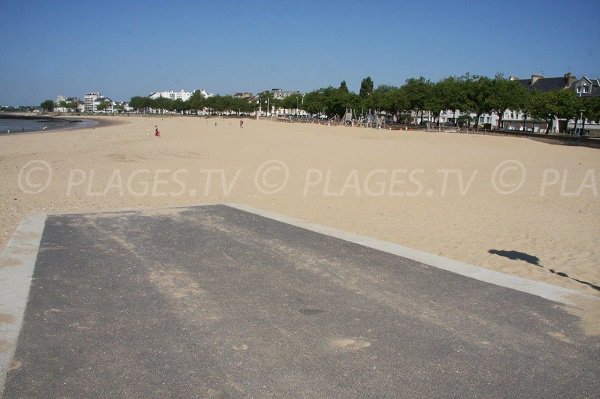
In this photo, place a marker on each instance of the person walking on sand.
(241, 123)
(156, 132)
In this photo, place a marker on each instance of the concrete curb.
(543, 290)
(16, 268)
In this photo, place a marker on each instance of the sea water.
(22, 125)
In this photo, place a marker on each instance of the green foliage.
(103, 105)
(313, 102)
(589, 107)
(228, 104)
(267, 100)
(47, 105)
(343, 87)
(292, 102)
(453, 93)
(467, 94)
(417, 93)
(197, 101)
(366, 87)
(140, 103)
(506, 94)
(330, 101)
(478, 91)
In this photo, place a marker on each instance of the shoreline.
(76, 123)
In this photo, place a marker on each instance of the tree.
(589, 108)
(180, 106)
(506, 94)
(292, 102)
(197, 101)
(313, 102)
(162, 103)
(434, 101)
(382, 99)
(398, 102)
(47, 105)
(452, 92)
(141, 103)
(330, 101)
(478, 90)
(72, 105)
(267, 100)
(343, 87)
(103, 106)
(366, 88)
(565, 107)
(417, 92)
(538, 107)
(560, 104)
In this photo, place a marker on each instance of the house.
(517, 120)
(542, 84)
(586, 87)
(513, 119)
(246, 95)
(279, 94)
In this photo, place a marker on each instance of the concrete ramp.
(214, 301)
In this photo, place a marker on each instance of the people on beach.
(241, 123)
(156, 132)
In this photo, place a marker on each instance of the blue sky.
(125, 48)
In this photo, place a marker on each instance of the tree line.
(196, 103)
(468, 94)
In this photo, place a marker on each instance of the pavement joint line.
(547, 291)
(16, 269)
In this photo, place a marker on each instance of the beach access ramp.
(227, 301)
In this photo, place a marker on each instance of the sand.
(533, 205)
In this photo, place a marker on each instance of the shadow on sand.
(534, 260)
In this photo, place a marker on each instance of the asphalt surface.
(216, 302)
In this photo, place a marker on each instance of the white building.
(172, 95)
(107, 105)
(205, 94)
(69, 100)
(89, 99)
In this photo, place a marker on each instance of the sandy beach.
(509, 204)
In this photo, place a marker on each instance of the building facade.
(89, 99)
(279, 94)
(172, 95)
